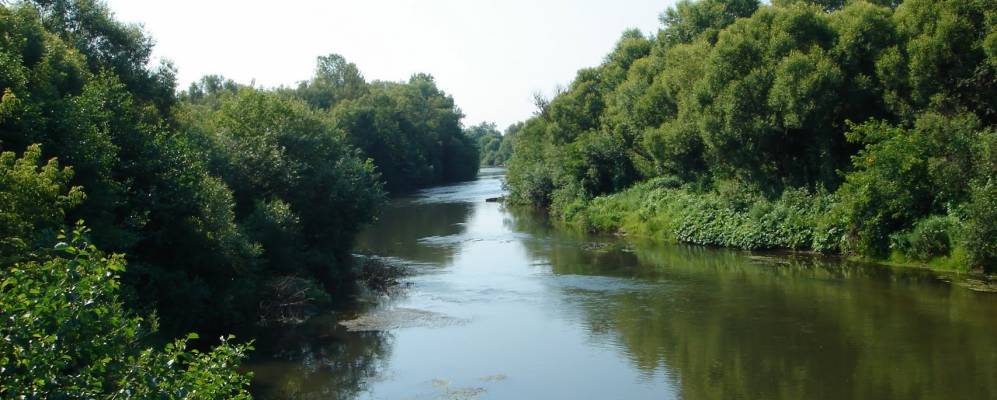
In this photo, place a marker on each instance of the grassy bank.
(799, 220)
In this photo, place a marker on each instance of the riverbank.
(797, 221)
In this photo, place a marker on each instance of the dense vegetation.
(860, 128)
(65, 331)
(233, 204)
(412, 130)
(495, 147)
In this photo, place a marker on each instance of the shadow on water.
(317, 360)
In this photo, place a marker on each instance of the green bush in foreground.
(64, 333)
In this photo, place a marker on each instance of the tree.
(877, 112)
(488, 140)
(89, 26)
(335, 80)
(412, 131)
(688, 20)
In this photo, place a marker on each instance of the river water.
(500, 306)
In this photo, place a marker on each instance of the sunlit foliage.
(888, 106)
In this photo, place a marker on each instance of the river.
(498, 305)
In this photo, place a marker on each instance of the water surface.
(500, 306)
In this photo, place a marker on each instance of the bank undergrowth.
(798, 220)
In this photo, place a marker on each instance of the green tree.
(879, 112)
(412, 131)
(689, 19)
(335, 80)
(488, 140)
(941, 59)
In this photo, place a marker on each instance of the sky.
(491, 56)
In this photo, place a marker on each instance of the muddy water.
(499, 306)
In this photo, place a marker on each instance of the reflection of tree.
(401, 225)
(726, 324)
(317, 360)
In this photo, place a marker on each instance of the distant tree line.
(865, 128)
(494, 147)
(230, 203)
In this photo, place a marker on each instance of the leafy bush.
(930, 238)
(34, 201)
(745, 220)
(65, 333)
(903, 175)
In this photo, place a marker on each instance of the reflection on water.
(318, 360)
(553, 315)
(402, 224)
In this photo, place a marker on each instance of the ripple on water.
(468, 192)
(459, 239)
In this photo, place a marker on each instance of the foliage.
(494, 148)
(228, 199)
(34, 201)
(411, 130)
(658, 209)
(66, 334)
(903, 175)
(282, 159)
(883, 104)
(213, 192)
(335, 80)
(981, 210)
(930, 238)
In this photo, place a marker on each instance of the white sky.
(490, 55)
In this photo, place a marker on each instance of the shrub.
(66, 334)
(981, 231)
(732, 219)
(930, 238)
(34, 201)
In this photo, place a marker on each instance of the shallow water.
(500, 306)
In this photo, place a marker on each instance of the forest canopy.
(856, 127)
